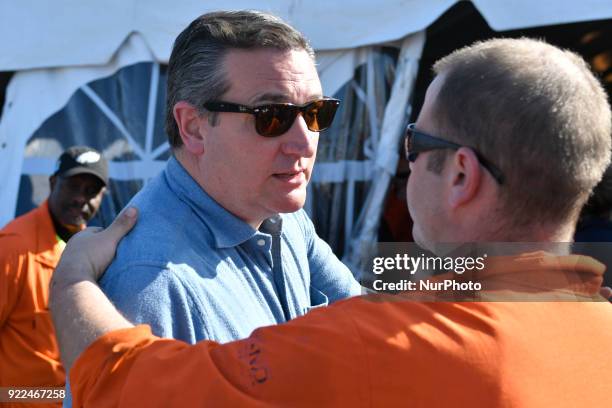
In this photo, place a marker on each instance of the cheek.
(315, 146)
(63, 200)
(244, 168)
(315, 142)
(97, 201)
(410, 193)
(417, 200)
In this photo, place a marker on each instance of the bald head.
(536, 111)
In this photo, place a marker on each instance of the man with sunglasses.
(224, 246)
(516, 114)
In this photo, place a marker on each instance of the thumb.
(124, 222)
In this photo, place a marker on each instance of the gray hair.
(195, 69)
(538, 113)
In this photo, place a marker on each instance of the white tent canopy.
(75, 33)
(55, 54)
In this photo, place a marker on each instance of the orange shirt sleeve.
(310, 361)
(12, 265)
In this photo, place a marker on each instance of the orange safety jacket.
(382, 351)
(29, 252)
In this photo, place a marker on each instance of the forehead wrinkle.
(275, 97)
(290, 91)
(281, 77)
(284, 71)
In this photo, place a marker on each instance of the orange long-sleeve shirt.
(379, 351)
(29, 252)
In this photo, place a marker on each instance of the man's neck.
(62, 231)
(546, 233)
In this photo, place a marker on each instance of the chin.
(75, 223)
(291, 203)
(420, 240)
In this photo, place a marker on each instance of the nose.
(79, 198)
(81, 194)
(299, 140)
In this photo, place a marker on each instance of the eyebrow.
(279, 98)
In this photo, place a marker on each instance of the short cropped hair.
(195, 69)
(535, 111)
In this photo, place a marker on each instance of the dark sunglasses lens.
(275, 120)
(319, 115)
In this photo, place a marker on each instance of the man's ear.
(465, 177)
(189, 122)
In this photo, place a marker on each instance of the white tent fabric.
(57, 55)
(34, 95)
(93, 31)
(387, 155)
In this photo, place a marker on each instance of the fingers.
(87, 231)
(124, 222)
(88, 253)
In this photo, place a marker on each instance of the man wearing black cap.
(31, 246)
(76, 189)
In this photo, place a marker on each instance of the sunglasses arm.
(228, 107)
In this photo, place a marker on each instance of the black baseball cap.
(82, 160)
